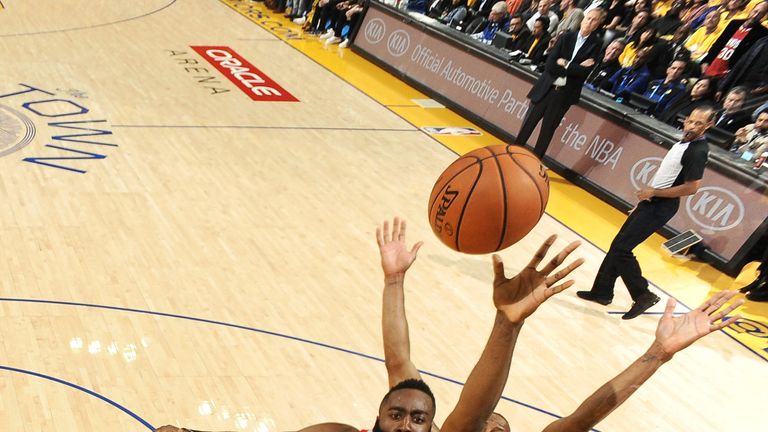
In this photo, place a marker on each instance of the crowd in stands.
(663, 58)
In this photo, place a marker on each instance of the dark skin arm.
(673, 334)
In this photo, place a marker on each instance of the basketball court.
(177, 252)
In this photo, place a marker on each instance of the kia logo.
(643, 170)
(715, 208)
(375, 30)
(398, 42)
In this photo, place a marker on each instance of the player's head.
(697, 122)
(496, 423)
(408, 406)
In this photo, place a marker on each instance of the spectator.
(752, 140)
(694, 10)
(538, 41)
(298, 11)
(751, 71)
(647, 39)
(482, 8)
(633, 79)
(702, 39)
(734, 41)
(514, 6)
(615, 10)
(731, 118)
(543, 10)
(350, 17)
(609, 65)
(641, 6)
(438, 8)
(572, 16)
(519, 34)
(667, 24)
(496, 21)
(456, 14)
(732, 10)
(664, 91)
(338, 18)
(324, 10)
(638, 24)
(701, 94)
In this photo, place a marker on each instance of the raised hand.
(675, 333)
(396, 259)
(517, 298)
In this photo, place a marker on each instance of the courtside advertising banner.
(724, 211)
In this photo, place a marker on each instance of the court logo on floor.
(75, 142)
(245, 76)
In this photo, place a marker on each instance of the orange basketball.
(488, 199)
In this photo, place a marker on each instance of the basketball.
(488, 199)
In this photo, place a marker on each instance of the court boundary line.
(238, 12)
(268, 127)
(172, 2)
(261, 331)
(82, 389)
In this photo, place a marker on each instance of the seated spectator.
(538, 41)
(664, 91)
(496, 21)
(572, 16)
(640, 6)
(638, 24)
(519, 34)
(481, 8)
(702, 39)
(514, 6)
(752, 140)
(437, 8)
(609, 64)
(701, 93)
(418, 6)
(455, 14)
(734, 41)
(529, 8)
(633, 79)
(338, 18)
(543, 10)
(324, 10)
(667, 24)
(693, 10)
(750, 71)
(647, 39)
(732, 10)
(758, 110)
(730, 117)
(350, 17)
(616, 10)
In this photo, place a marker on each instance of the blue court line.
(82, 389)
(253, 329)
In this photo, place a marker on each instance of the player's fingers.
(724, 324)
(727, 310)
(538, 257)
(564, 272)
(395, 228)
(386, 232)
(498, 269)
(670, 308)
(401, 234)
(556, 261)
(416, 247)
(379, 238)
(549, 292)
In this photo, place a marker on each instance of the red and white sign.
(245, 76)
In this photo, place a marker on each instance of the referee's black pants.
(550, 111)
(648, 217)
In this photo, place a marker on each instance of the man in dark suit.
(734, 41)
(731, 117)
(559, 86)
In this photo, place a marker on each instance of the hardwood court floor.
(209, 261)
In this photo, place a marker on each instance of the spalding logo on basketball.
(488, 199)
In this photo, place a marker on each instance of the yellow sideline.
(688, 281)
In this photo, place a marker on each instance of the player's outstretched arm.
(396, 259)
(515, 300)
(673, 334)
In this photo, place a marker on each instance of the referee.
(678, 175)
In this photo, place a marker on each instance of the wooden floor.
(180, 254)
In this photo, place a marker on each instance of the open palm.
(675, 333)
(396, 258)
(517, 298)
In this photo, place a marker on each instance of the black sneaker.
(643, 303)
(759, 295)
(589, 295)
